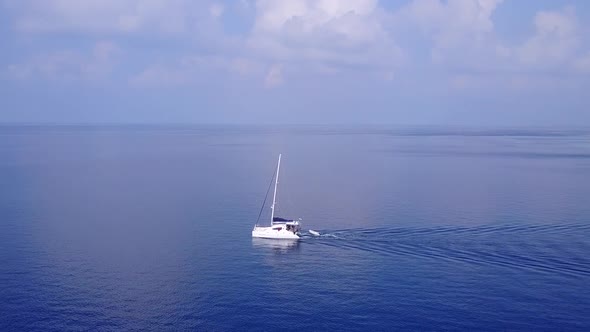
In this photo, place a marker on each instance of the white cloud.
(464, 40)
(231, 65)
(245, 66)
(459, 30)
(107, 16)
(345, 33)
(452, 20)
(216, 10)
(274, 76)
(69, 65)
(555, 39)
(317, 37)
(582, 64)
(190, 69)
(159, 75)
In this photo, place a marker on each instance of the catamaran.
(280, 228)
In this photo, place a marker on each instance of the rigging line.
(266, 196)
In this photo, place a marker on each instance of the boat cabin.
(279, 224)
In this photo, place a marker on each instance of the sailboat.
(280, 228)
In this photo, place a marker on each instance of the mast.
(274, 196)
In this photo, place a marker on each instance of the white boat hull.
(273, 233)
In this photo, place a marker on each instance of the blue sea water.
(148, 228)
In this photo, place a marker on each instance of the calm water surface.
(148, 228)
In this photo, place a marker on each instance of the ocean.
(139, 228)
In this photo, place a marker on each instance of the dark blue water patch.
(148, 228)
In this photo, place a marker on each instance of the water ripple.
(539, 248)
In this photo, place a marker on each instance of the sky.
(402, 62)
